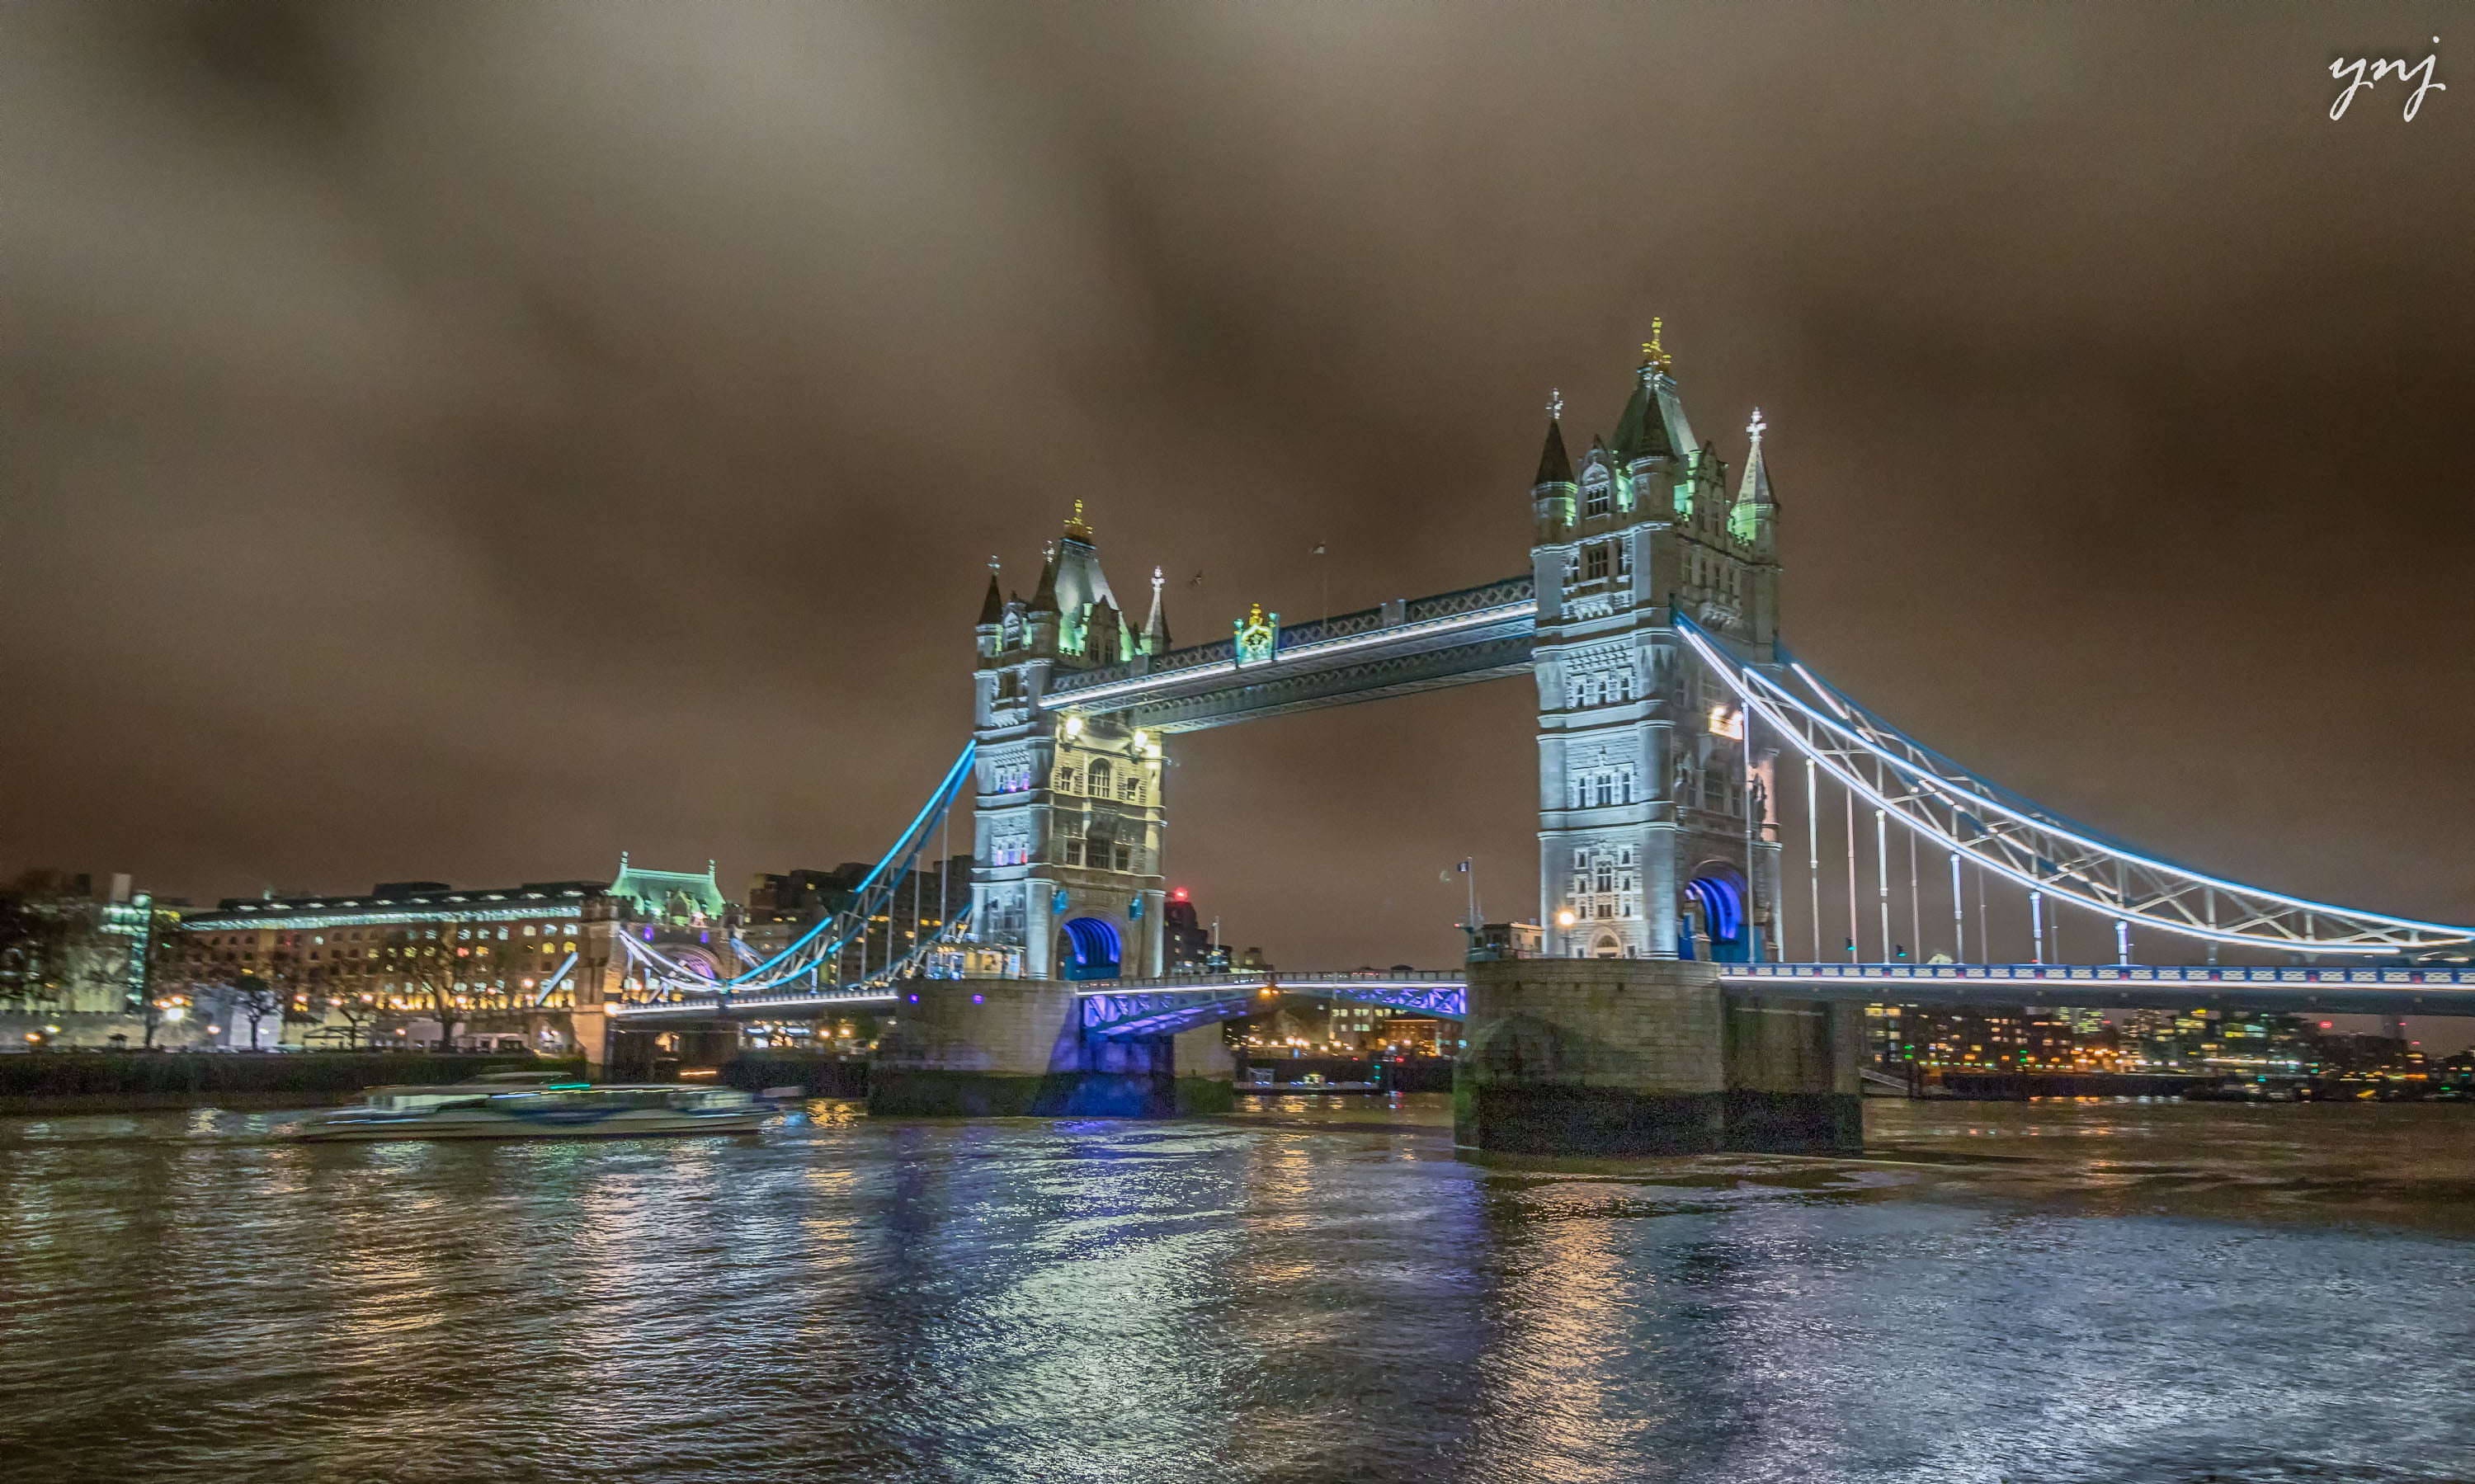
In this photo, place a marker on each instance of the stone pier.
(1648, 1057)
(979, 1048)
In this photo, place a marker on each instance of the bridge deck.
(1143, 1006)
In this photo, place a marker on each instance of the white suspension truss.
(813, 960)
(2013, 837)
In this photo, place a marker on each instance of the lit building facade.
(359, 968)
(1068, 814)
(1657, 833)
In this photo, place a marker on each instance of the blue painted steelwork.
(814, 950)
(1165, 1007)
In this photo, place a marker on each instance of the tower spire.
(992, 606)
(1555, 467)
(1156, 628)
(1043, 598)
(1755, 490)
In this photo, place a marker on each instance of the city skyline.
(381, 562)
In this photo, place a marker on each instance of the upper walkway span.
(1407, 646)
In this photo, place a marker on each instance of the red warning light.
(1179, 893)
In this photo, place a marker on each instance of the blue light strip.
(1968, 788)
(906, 848)
(553, 983)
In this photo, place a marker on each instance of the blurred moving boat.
(531, 1105)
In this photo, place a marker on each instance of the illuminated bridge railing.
(1158, 1007)
(2095, 974)
(2408, 990)
(1162, 1007)
(730, 1003)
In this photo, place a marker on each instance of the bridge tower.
(1066, 875)
(1656, 824)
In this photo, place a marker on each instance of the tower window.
(1594, 561)
(1594, 498)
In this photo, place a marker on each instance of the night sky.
(465, 441)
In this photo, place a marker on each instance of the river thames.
(2049, 1292)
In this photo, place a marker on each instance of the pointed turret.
(1043, 597)
(1075, 579)
(1554, 466)
(1756, 488)
(1155, 627)
(1653, 423)
(1754, 518)
(992, 606)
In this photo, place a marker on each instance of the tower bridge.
(1673, 726)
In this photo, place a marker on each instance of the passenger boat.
(529, 1105)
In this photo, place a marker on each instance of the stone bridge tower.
(1065, 875)
(1657, 833)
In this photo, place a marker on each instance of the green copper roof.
(669, 893)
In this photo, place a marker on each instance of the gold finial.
(1076, 528)
(1652, 354)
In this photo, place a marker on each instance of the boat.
(531, 1105)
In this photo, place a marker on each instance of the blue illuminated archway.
(1720, 893)
(1092, 949)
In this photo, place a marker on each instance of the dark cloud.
(464, 440)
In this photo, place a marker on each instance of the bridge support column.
(1617, 1057)
(995, 1048)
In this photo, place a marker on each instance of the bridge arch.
(1716, 898)
(1089, 948)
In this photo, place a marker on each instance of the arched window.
(1101, 778)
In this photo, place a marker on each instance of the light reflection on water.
(1318, 1288)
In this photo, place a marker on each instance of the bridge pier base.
(1643, 1056)
(996, 1048)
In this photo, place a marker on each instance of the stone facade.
(1617, 1058)
(1656, 823)
(1068, 814)
(991, 1046)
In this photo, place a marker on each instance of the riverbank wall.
(146, 1082)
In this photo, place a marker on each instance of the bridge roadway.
(1154, 1006)
(1160, 1006)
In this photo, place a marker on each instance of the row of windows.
(1107, 855)
(1605, 883)
(1100, 780)
(378, 935)
(1601, 787)
(1600, 688)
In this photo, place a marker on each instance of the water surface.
(1320, 1289)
